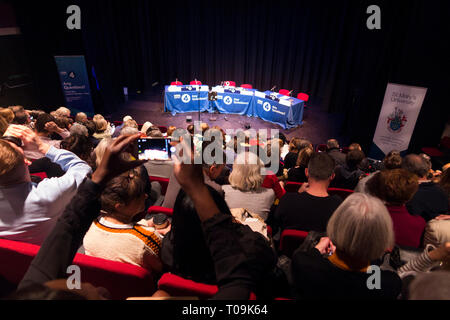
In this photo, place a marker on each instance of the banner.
(75, 83)
(398, 117)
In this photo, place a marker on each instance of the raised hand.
(30, 139)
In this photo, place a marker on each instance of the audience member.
(245, 189)
(298, 173)
(81, 118)
(334, 150)
(102, 131)
(114, 235)
(62, 112)
(310, 208)
(30, 211)
(295, 146)
(396, 187)
(119, 128)
(359, 232)
(430, 200)
(80, 145)
(348, 175)
(79, 129)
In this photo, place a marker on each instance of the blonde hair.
(246, 174)
(361, 227)
(62, 112)
(100, 150)
(101, 125)
(98, 117)
(7, 114)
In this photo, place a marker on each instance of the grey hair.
(79, 129)
(361, 227)
(100, 150)
(416, 164)
(128, 131)
(246, 174)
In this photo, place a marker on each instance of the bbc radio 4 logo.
(186, 98)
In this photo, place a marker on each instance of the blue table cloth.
(233, 100)
(273, 107)
(181, 99)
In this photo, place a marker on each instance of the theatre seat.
(321, 148)
(157, 210)
(290, 241)
(343, 193)
(195, 83)
(120, 279)
(303, 97)
(164, 182)
(180, 287)
(284, 92)
(176, 83)
(41, 175)
(293, 186)
(246, 86)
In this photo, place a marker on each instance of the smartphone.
(155, 149)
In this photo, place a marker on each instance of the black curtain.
(319, 47)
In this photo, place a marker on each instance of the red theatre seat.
(321, 148)
(293, 186)
(343, 193)
(41, 175)
(304, 97)
(195, 83)
(246, 86)
(157, 210)
(179, 287)
(285, 92)
(229, 84)
(176, 83)
(163, 129)
(290, 241)
(164, 182)
(120, 279)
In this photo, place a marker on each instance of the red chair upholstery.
(122, 280)
(41, 175)
(293, 186)
(321, 148)
(179, 287)
(229, 84)
(195, 83)
(303, 97)
(246, 86)
(285, 92)
(156, 210)
(164, 182)
(345, 150)
(433, 152)
(343, 193)
(290, 241)
(176, 83)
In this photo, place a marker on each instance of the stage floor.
(318, 126)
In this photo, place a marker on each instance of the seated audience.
(310, 208)
(297, 174)
(295, 146)
(154, 132)
(170, 131)
(30, 211)
(118, 128)
(45, 125)
(62, 112)
(396, 187)
(275, 145)
(430, 200)
(102, 129)
(91, 127)
(114, 235)
(80, 145)
(21, 117)
(334, 150)
(145, 127)
(81, 118)
(79, 129)
(348, 175)
(245, 189)
(359, 232)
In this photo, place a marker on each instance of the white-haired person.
(339, 267)
(119, 128)
(245, 189)
(63, 112)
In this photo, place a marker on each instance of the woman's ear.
(118, 206)
(306, 172)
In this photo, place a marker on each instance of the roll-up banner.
(75, 83)
(398, 117)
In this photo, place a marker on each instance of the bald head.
(416, 164)
(332, 144)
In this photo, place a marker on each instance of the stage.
(318, 126)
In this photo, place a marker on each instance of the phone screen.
(154, 149)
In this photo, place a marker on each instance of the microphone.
(273, 89)
(291, 92)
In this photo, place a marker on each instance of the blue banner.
(75, 84)
(233, 102)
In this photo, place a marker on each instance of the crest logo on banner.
(228, 100)
(186, 98)
(396, 121)
(267, 107)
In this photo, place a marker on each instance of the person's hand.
(441, 254)
(326, 247)
(304, 188)
(113, 164)
(30, 140)
(52, 127)
(443, 217)
(188, 175)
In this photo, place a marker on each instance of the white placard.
(398, 117)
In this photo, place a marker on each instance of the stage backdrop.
(398, 117)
